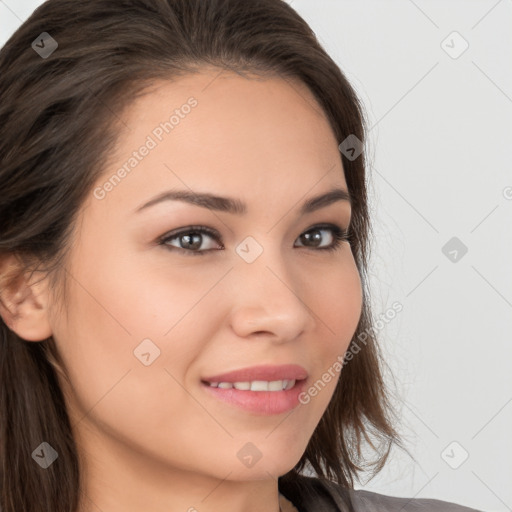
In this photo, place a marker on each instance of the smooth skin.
(150, 437)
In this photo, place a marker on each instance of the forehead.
(217, 131)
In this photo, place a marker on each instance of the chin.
(273, 464)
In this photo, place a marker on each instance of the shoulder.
(373, 502)
(310, 494)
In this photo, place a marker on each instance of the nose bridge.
(267, 293)
(262, 262)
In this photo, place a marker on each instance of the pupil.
(314, 236)
(189, 243)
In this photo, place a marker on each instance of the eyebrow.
(237, 207)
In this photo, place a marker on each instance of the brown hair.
(58, 123)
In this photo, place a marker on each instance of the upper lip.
(262, 372)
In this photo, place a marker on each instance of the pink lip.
(265, 403)
(262, 372)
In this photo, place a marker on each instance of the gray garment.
(312, 494)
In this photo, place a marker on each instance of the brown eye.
(190, 240)
(313, 237)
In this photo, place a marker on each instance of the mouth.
(255, 385)
(259, 397)
(274, 375)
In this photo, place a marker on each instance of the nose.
(269, 299)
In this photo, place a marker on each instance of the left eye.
(191, 239)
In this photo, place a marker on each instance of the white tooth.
(245, 386)
(259, 385)
(256, 385)
(290, 384)
(275, 385)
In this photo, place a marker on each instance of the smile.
(256, 385)
(264, 398)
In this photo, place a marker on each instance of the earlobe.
(24, 301)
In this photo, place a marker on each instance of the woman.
(140, 368)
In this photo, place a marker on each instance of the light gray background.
(440, 145)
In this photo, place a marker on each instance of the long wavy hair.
(59, 120)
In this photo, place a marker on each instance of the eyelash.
(340, 235)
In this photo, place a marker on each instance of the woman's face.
(146, 321)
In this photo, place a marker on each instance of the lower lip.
(265, 403)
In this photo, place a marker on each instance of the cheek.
(112, 389)
(117, 321)
(337, 303)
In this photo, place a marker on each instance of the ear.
(24, 300)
